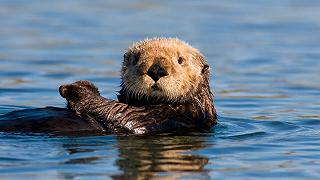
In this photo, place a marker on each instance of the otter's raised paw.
(77, 91)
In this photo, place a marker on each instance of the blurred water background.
(264, 57)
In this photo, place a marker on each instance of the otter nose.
(156, 72)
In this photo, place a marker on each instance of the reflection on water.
(264, 58)
(133, 157)
(144, 158)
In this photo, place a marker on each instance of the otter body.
(165, 89)
(48, 120)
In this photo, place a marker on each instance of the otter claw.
(78, 89)
(63, 89)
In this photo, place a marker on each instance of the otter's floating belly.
(51, 120)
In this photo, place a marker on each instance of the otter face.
(163, 69)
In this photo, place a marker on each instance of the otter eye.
(180, 60)
(136, 57)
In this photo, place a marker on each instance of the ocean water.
(265, 63)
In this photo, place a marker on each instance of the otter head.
(162, 70)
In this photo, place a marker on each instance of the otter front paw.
(76, 92)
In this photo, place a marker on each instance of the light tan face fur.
(183, 64)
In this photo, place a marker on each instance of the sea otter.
(165, 89)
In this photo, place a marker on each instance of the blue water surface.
(265, 63)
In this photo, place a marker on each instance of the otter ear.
(205, 69)
(135, 57)
(132, 57)
(205, 66)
